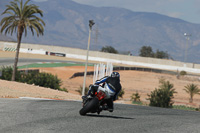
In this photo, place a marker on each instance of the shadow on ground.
(109, 116)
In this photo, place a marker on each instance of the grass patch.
(37, 65)
(137, 102)
(63, 89)
(182, 107)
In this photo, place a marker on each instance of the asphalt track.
(51, 116)
(26, 61)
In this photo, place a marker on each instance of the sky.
(188, 10)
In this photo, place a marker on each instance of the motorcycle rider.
(110, 85)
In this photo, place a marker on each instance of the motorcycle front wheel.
(91, 105)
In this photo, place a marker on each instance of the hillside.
(6, 38)
(67, 25)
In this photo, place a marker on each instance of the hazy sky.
(188, 10)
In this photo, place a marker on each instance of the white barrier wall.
(32, 51)
(108, 57)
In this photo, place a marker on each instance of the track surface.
(26, 61)
(51, 116)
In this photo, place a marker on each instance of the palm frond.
(192, 89)
(25, 16)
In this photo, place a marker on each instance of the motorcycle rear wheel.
(91, 105)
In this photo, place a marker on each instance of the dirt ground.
(132, 82)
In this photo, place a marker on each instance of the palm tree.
(192, 89)
(163, 96)
(21, 17)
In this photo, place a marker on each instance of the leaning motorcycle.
(94, 104)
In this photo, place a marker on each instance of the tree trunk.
(19, 37)
(190, 100)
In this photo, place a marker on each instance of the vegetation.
(121, 93)
(109, 49)
(182, 73)
(135, 97)
(146, 51)
(7, 73)
(182, 107)
(192, 90)
(63, 89)
(21, 17)
(137, 102)
(40, 79)
(81, 89)
(161, 55)
(163, 96)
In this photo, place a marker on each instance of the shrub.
(41, 79)
(135, 97)
(81, 89)
(27, 77)
(47, 80)
(7, 73)
(63, 89)
(162, 97)
(182, 73)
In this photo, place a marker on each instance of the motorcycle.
(94, 104)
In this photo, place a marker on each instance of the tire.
(89, 106)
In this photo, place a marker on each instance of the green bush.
(7, 73)
(135, 97)
(40, 79)
(162, 97)
(182, 73)
(46, 80)
(27, 77)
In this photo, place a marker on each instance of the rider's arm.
(101, 81)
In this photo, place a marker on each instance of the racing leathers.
(111, 86)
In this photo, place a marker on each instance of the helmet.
(115, 74)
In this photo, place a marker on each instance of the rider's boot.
(110, 105)
(100, 109)
(90, 93)
(86, 97)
